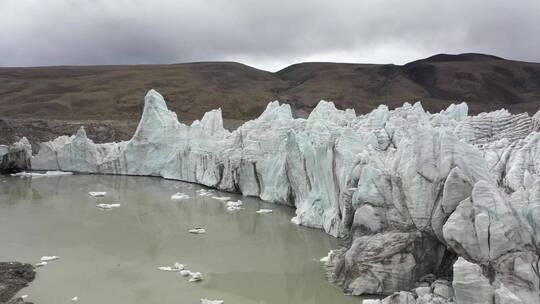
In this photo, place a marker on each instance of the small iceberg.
(107, 206)
(206, 301)
(41, 264)
(327, 258)
(97, 194)
(175, 268)
(179, 196)
(185, 273)
(233, 206)
(74, 299)
(221, 198)
(196, 277)
(203, 192)
(38, 175)
(46, 258)
(24, 296)
(264, 211)
(197, 230)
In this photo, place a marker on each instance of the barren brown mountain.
(44, 102)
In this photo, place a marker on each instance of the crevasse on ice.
(409, 190)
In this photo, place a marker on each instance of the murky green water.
(110, 256)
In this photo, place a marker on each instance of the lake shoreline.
(14, 276)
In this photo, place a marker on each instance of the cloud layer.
(266, 34)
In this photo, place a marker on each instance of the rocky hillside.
(31, 98)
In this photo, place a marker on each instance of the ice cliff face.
(15, 157)
(409, 191)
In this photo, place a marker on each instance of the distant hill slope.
(116, 92)
(485, 82)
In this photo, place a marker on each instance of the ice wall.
(408, 190)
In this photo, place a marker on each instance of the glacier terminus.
(431, 208)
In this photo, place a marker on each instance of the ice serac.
(15, 157)
(409, 191)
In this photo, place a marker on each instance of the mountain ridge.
(114, 93)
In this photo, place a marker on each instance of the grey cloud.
(267, 34)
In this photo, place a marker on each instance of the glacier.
(15, 157)
(412, 194)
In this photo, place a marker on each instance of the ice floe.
(107, 206)
(175, 268)
(264, 211)
(39, 175)
(233, 206)
(327, 258)
(207, 301)
(203, 192)
(196, 277)
(47, 258)
(185, 273)
(97, 194)
(197, 230)
(179, 196)
(221, 198)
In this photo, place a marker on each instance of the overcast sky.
(266, 34)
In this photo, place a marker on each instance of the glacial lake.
(111, 256)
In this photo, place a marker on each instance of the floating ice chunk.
(196, 277)
(233, 206)
(74, 299)
(107, 206)
(206, 301)
(177, 267)
(38, 175)
(327, 258)
(41, 264)
(46, 258)
(197, 230)
(97, 194)
(264, 211)
(203, 192)
(24, 296)
(221, 198)
(57, 173)
(179, 196)
(185, 273)
(371, 301)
